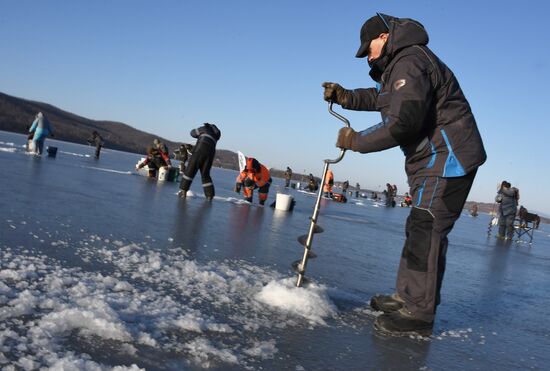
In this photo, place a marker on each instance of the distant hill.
(16, 115)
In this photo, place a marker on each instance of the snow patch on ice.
(208, 314)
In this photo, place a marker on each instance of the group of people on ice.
(41, 128)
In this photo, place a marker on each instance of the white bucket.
(163, 174)
(283, 202)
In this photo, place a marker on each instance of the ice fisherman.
(390, 193)
(312, 183)
(407, 200)
(254, 176)
(154, 162)
(182, 154)
(41, 128)
(507, 199)
(345, 187)
(425, 112)
(97, 141)
(163, 151)
(201, 159)
(288, 176)
(329, 183)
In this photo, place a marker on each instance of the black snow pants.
(201, 159)
(437, 204)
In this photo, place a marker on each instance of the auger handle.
(346, 122)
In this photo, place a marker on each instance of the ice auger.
(306, 240)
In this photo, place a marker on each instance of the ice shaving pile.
(142, 303)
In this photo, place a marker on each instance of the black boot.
(402, 323)
(386, 303)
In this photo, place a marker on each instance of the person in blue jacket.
(42, 128)
(425, 112)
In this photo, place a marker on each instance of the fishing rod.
(306, 240)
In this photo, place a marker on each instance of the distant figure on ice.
(329, 183)
(312, 185)
(254, 176)
(425, 112)
(163, 150)
(357, 190)
(407, 200)
(507, 199)
(201, 159)
(288, 176)
(525, 217)
(154, 161)
(374, 196)
(97, 141)
(182, 154)
(345, 187)
(473, 210)
(390, 195)
(30, 135)
(41, 128)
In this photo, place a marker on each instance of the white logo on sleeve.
(399, 84)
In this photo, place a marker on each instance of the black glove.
(345, 138)
(336, 94)
(249, 183)
(238, 187)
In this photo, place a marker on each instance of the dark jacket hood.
(404, 32)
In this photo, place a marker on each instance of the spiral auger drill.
(306, 240)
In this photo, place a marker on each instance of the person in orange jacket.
(254, 175)
(329, 182)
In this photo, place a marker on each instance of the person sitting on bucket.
(254, 175)
(163, 150)
(407, 200)
(312, 183)
(154, 161)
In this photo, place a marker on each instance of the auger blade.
(318, 229)
(302, 239)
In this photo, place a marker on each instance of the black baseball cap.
(371, 29)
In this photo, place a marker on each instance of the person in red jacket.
(254, 175)
(163, 151)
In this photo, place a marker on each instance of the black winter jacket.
(207, 135)
(508, 201)
(423, 109)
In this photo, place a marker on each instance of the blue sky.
(255, 69)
